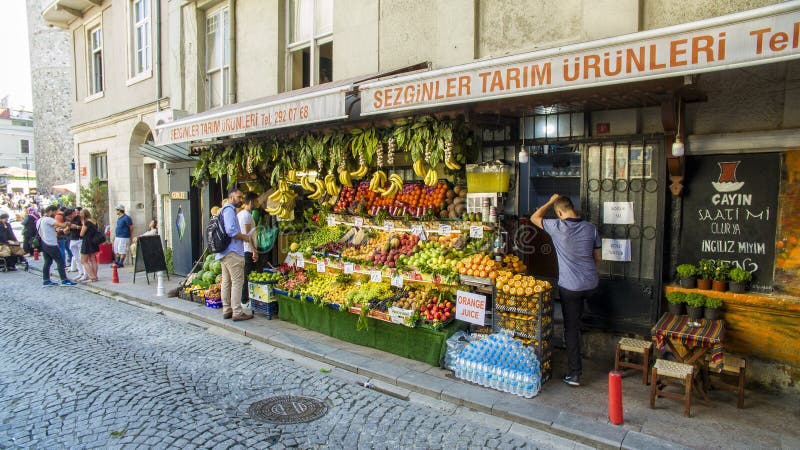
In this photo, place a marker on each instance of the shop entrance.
(625, 174)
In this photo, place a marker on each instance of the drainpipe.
(232, 48)
(158, 54)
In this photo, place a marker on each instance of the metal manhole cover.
(288, 409)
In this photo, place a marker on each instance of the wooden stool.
(670, 369)
(639, 346)
(732, 366)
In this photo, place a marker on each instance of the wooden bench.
(625, 346)
(664, 369)
(732, 366)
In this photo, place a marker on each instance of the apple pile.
(345, 199)
(394, 247)
(436, 309)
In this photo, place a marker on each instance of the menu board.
(730, 212)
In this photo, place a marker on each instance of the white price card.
(388, 227)
(301, 261)
(416, 230)
(348, 268)
(445, 230)
(358, 222)
(321, 266)
(476, 231)
(397, 280)
(375, 276)
(331, 221)
(470, 307)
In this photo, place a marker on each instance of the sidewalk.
(768, 420)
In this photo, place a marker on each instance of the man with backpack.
(47, 228)
(231, 256)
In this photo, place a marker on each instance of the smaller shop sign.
(321, 266)
(616, 249)
(397, 280)
(348, 268)
(331, 221)
(476, 231)
(375, 276)
(471, 307)
(620, 213)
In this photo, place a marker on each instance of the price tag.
(416, 230)
(331, 221)
(476, 231)
(388, 227)
(397, 280)
(358, 222)
(445, 230)
(348, 268)
(375, 275)
(301, 261)
(321, 266)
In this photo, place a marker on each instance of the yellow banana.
(319, 190)
(431, 178)
(330, 184)
(378, 180)
(344, 178)
(273, 211)
(275, 196)
(306, 184)
(395, 178)
(452, 165)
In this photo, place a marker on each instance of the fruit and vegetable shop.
(393, 211)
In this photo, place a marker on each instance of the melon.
(215, 267)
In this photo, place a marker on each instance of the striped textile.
(708, 335)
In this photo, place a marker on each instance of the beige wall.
(259, 48)
(663, 13)
(118, 93)
(355, 45)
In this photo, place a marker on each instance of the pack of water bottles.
(500, 362)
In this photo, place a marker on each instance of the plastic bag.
(265, 238)
(455, 344)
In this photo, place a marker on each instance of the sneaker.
(49, 283)
(81, 278)
(227, 315)
(68, 283)
(572, 380)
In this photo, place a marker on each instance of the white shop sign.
(620, 213)
(758, 36)
(470, 307)
(616, 249)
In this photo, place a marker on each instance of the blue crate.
(215, 303)
(268, 309)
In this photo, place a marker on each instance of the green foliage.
(721, 270)
(676, 298)
(95, 197)
(705, 269)
(168, 259)
(67, 200)
(739, 275)
(686, 270)
(713, 303)
(695, 300)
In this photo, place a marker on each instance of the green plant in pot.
(721, 271)
(712, 306)
(675, 302)
(705, 272)
(694, 305)
(739, 279)
(687, 274)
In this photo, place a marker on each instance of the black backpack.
(218, 240)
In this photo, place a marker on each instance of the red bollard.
(36, 254)
(615, 398)
(114, 274)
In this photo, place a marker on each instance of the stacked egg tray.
(530, 319)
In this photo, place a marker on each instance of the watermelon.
(210, 258)
(208, 276)
(206, 266)
(218, 280)
(215, 267)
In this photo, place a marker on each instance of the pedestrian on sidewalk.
(63, 238)
(577, 245)
(122, 235)
(232, 260)
(29, 229)
(9, 240)
(245, 218)
(75, 242)
(47, 228)
(89, 249)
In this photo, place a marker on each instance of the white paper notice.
(388, 227)
(617, 249)
(375, 276)
(445, 230)
(470, 307)
(301, 261)
(397, 280)
(476, 231)
(358, 222)
(321, 266)
(618, 212)
(348, 268)
(331, 221)
(416, 230)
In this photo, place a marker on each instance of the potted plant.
(721, 270)
(705, 272)
(694, 305)
(712, 308)
(686, 273)
(739, 279)
(675, 301)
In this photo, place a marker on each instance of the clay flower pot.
(719, 286)
(703, 284)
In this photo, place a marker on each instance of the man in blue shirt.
(232, 260)
(577, 245)
(122, 235)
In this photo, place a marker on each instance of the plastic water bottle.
(505, 386)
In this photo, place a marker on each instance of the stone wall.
(50, 83)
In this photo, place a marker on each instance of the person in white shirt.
(245, 218)
(46, 228)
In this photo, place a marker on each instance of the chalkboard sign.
(149, 256)
(730, 212)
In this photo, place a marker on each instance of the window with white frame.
(310, 49)
(218, 57)
(99, 166)
(140, 37)
(95, 65)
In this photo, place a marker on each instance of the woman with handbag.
(29, 237)
(89, 245)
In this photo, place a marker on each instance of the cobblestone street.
(79, 370)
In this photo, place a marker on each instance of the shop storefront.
(618, 125)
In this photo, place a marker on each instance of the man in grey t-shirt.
(577, 245)
(46, 228)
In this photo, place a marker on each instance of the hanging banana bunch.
(319, 190)
(395, 186)
(377, 182)
(345, 178)
(431, 177)
(282, 201)
(330, 185)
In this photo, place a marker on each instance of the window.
(310, 49)
(24, 146)
(217, 56)
(100, 166)
(95, 60)
(140, 28)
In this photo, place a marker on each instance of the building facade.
(52, 108)
(17, 147)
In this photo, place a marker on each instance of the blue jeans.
(52, 253)
(63, 248)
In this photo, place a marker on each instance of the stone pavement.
(768, 421)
